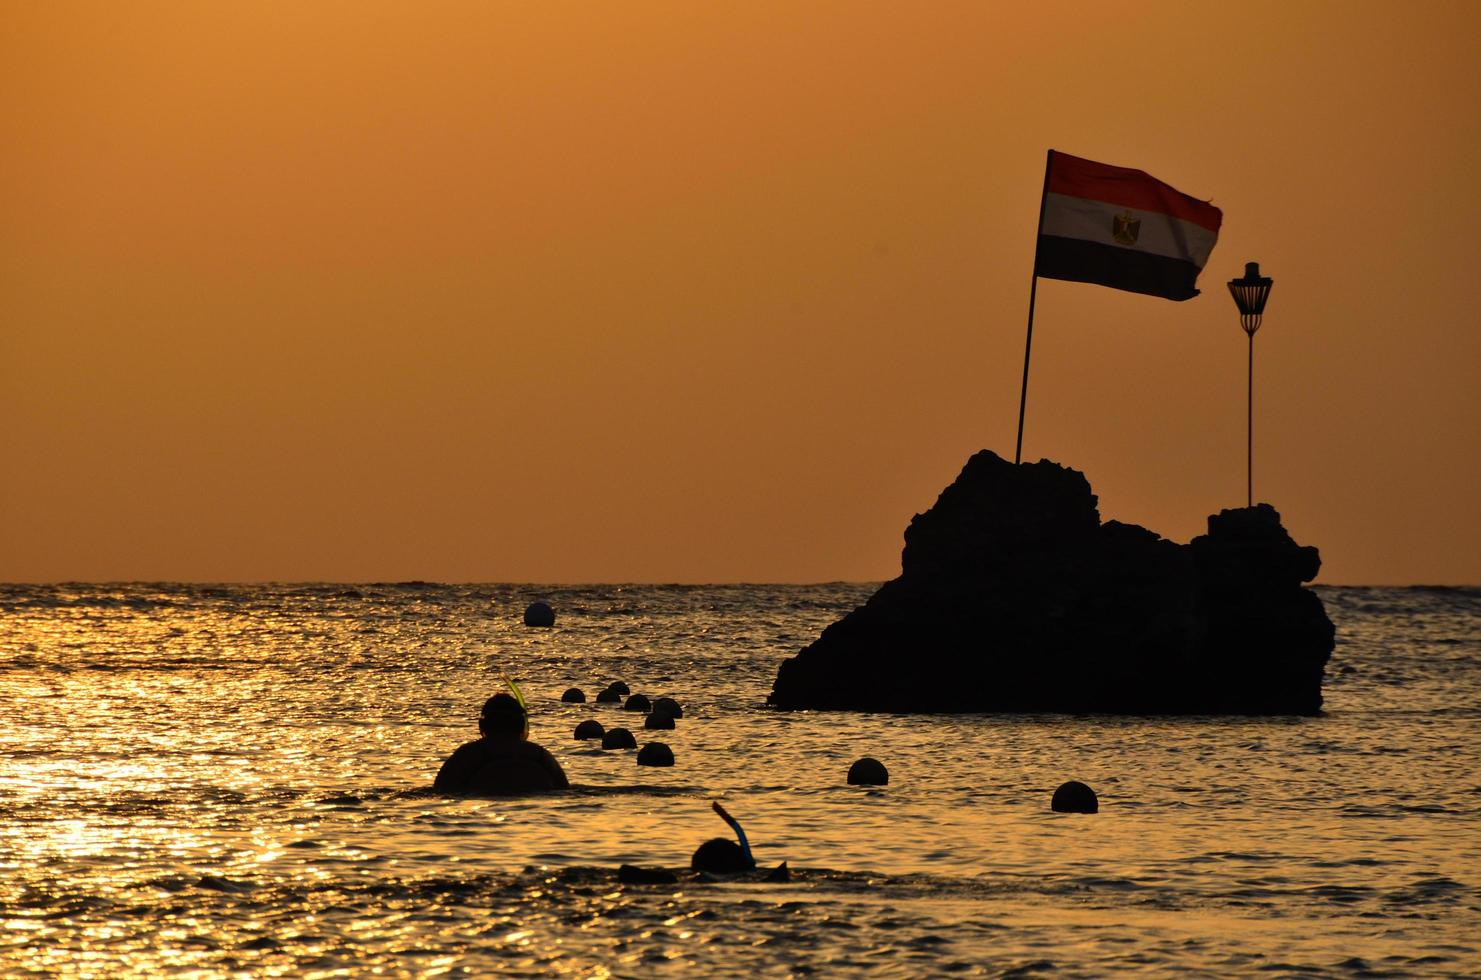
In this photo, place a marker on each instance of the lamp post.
(1250, 293)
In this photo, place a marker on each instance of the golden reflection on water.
(219, 784)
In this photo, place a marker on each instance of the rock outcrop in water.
(1013, 596)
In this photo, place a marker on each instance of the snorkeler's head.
(720, 856)
(503, 717)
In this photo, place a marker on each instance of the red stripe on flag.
(1127, 187)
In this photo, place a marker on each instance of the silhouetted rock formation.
(1013, 596)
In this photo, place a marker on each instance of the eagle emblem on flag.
(1125, 227)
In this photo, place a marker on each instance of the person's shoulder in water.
(502, 762)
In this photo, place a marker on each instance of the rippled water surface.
(229, 780)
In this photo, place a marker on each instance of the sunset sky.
(711, 292)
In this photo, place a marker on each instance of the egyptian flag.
(1122, 228)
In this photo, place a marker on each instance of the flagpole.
(1033, 289)
(1249, 431)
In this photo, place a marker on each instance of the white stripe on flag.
(1094, 221)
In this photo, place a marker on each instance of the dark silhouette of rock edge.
(1014, 597)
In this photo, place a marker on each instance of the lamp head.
(1250, 292)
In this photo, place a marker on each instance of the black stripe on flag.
(1078, 260)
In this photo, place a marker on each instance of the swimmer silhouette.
(503, 762)
(720, 856)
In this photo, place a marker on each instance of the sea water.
(231, 780)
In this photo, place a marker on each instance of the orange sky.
(711, 292)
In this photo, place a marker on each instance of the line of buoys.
(660, 716)
(1071, 797)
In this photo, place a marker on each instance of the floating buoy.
(539, 614)
(608, 696)
(590, 728)
(1074, 797)
(659, 719)
(574, 695)
(655, 754)
(620, 687)
(868, 772)
(668, 705)
(619, 738)
(638, 702)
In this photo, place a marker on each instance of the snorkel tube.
(519, 696)
(740, 834)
